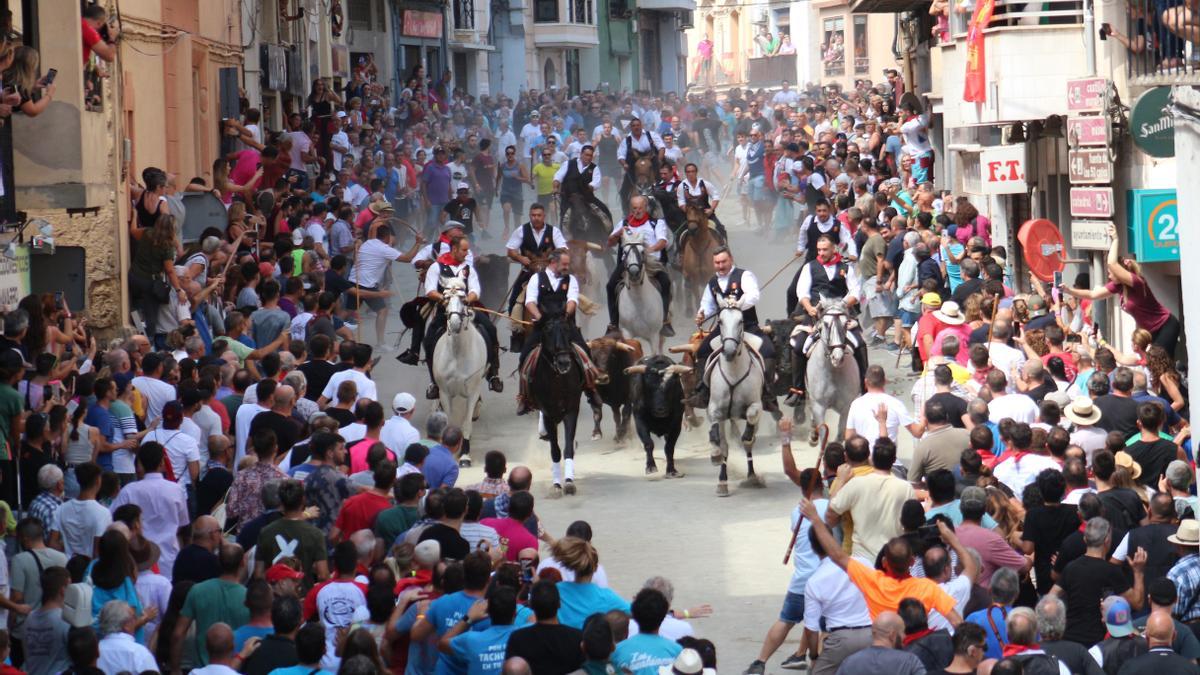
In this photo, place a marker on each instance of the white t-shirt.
(157, 393)
(1017, 407)
(861, 416)
(366, 387)
(342, 139)
(1017, 474)
(316, 230)
(339, 604)
(241, 426)
(958, 588)
(181, 450)
(374, 256)
(600, 578)
(79, 523)
(397, 434)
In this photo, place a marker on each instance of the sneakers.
(794, 662)
(409, 358)
(756, 668)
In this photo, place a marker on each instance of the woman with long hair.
(113, 574)
(581, 598)
(228, 188)
(1125, 279)
(37, 336)
(152, 272)
(1165, 380)
(81, 444)
(321, 101)
(54, 309)
(160, 642)
(35, 93)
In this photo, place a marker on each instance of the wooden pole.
(780, 271)
(811, 486)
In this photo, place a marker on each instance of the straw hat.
(950, 314)
(1188, 533)
(1083, 411)
(1126, 460)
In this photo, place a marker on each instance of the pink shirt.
(993, 550)
(1139, 302)
(358, 454)
(514, 531)
(246, 166)
(963, 331)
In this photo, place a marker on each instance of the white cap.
(297, 237)
(462, 186)
(341, 114)
(403, 402)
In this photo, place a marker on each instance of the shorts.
(485, 199)
(374, 304)
(756, 189)
(922, 168)
(880, 304)
(907, 318)
(793, 608)
(546, 200)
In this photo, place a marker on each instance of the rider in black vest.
(410, 312)
(705, 200)
(445, 269)
(736, 281)
(810, 230)
(575, 181)
(843, 284)
(553, 301)
(649, 227)
(632, 155)
(524, 248)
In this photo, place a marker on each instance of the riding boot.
(610, 294)
(769, 402)
(493, 371)
(799, 365)
(664, 289)
(860, 355)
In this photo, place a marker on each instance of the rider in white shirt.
(638, 222)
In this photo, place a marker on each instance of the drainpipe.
(1099, 307)
(1089, 37)
(1184, 107)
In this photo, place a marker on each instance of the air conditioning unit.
(687, 19)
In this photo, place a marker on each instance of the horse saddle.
(752, 342)
(529, 365)
(414, 312)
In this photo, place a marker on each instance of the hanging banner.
(975, 82)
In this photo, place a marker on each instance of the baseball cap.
(463, 186)
(278, 572)
(932, 299)
(10, 359)
(427, 553)
(266, 270)
(535, 114)
(341, 114)
(1118, 617)
(403, 402)
(974, 494)
(297, 237)
(450, 225)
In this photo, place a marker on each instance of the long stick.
(812, 486)
(405, 223)
(358, 319)
(781, 269)
(485, 310)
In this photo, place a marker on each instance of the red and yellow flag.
(975, 82)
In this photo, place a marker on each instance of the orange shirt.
(884, 593)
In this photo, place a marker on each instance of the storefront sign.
(1088, 131)
(1154, 225)
(1090, 235)
(422, 24)
(1151, 125)
(1002, 170)
(14, 278)
(1090, 165)
(1087, 94)
(1092, 202)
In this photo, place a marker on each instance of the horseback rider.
(820, 221)
(831, 276)
(639, 143)
(579, 176)
(532, 241)
(638, 222)
(553, 293)
(741, 285)
(410, 313)
(697, 192)
(451, 264)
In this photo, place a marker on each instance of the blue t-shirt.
(579, 601)
(423, 655)
(482, 651)
(643, 654)
(299, 670)
(524, 614)
(98, 417)
(953, 511)
(980, 618)
(953, 271)
(443, 614)
(755, 153)
(246, 632)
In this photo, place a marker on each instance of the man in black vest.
(741, 285)
(449, 265)
(639, 222)
(829, 276)
(410, 312)
(553, 293)
(695, 191)
(579, 177)
(529, 244)
(820, 221)
(639, 143)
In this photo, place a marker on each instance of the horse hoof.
(672, 473)
(596, 435)
(753, 481)
(651, 468)
(722, 489)
(543, 435)
(464, 462)
(717, 457)
(748, 434)
(556, 491)
(569, 488)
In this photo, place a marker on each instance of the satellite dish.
(1043, 248)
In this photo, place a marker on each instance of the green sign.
(1154, 225)
(1152, 126)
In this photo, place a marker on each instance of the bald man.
(221, 658)
(1160, 634)
(279, 419)
(516, 666)
(197, 561)
(884, 655)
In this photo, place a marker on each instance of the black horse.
(555, 389)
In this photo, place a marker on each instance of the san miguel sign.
(1152, 127)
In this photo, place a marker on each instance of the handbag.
(160, 290)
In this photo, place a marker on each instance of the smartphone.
(50, 75)
(1104, 30)
(58, 299)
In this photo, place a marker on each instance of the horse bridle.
(731, 338)
(837, 329)
(641, 261)
(464, 313)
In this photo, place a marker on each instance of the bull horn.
(682, 349)
(635, 370)
(622, 346)
(593, 246)
(678, 369)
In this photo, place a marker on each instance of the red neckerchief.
(633, 221)
(913, 637)
(444, 239)
(837, 258)
(901, 576)
(1013, 650)
(448, 260)
(1016, 455)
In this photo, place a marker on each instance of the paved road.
(725, 552)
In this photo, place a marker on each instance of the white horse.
(639, 302)
(735, 382)
(832, 377)
(459, 361)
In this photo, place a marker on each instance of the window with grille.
(464, 14)
(581, 11)
(359, 12)
(545, 11)
(862, 60)
(833, 45)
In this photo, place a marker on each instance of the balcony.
(569, 24)
(1030, 52)
(1167, 58)
(771, 71)
(469, 21)
(667, 5)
